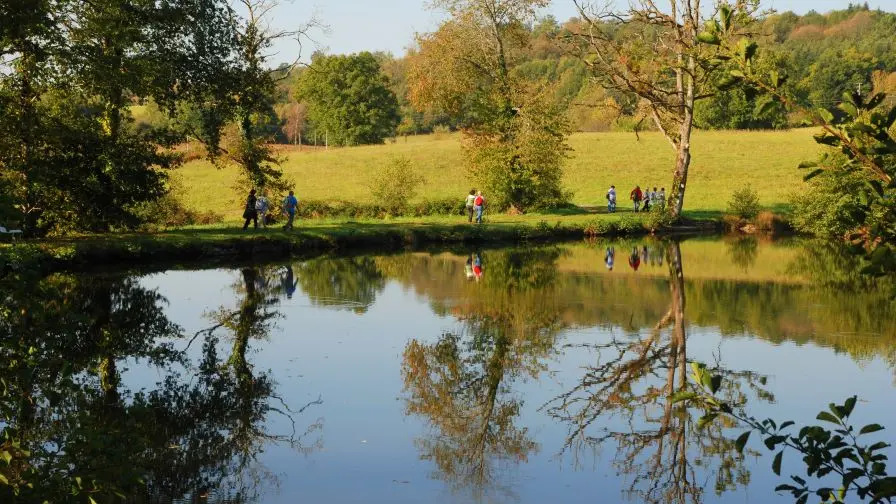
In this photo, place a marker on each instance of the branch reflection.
(623, 403)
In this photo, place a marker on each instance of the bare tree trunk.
(683, 155)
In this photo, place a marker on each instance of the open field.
(723, 162)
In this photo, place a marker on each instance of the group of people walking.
(475, 205)
(643, 200)
(258, 207)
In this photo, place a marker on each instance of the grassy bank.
(723, 162)
(227, 243)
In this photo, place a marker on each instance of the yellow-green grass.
(722, 162)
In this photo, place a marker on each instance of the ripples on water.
(511, 375)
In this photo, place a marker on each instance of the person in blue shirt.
(290, 205)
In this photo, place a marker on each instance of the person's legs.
(479, 215)
(469, 214)
(255, 220)
(290, 218)
(246, 224)
(263, 216)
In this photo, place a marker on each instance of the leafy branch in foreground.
(838, 453)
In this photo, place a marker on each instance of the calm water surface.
(523, 375)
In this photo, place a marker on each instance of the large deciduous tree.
(514, 137)
(70, 157)
(654, 50)
(349, 98)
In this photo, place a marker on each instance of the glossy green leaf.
(682, 395)
(848, 406)
(776, 464)
(868, 429)
(828, 417)
(741, 441)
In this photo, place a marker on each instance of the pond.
(521, 375)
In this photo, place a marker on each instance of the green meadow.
(723, 161)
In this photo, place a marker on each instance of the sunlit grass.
(723, 161)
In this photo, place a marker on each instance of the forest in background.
(823, 56)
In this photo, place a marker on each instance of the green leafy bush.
(599, 227)
(830, 205)
(657, 218)
(313, 209)
(744, 203)
(629, 224)
(395, 185)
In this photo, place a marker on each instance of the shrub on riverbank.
(355, 210)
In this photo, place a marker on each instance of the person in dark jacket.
(250, 213)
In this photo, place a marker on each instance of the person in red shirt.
(634, 260)
(636, 196)
(477, 266)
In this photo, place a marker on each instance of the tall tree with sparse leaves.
(514, 138)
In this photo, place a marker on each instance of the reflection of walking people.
(634, 260)
(477, 267)
(250, 213)
(610, 258)
(290, 205)
(611, 199)
(288, 282)
(468, 268)
(478, 206)
(469, 204)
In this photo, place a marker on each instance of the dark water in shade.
(523, 375)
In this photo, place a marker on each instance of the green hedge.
(337, 208)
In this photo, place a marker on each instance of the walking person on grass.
(478, 206)
(468, 204)
(261, 207)
(636, 196)
(250, 213)
(611, 199)
(290, 205)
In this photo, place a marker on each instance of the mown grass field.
(723, 161)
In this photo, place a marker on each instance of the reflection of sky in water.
(353, 360)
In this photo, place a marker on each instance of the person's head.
(472, 192)
(252, 192)
(290, 193)
(478, 193)
(612, 187)
(663, 189)
(654, 189)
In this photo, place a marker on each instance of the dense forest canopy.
(822, 54)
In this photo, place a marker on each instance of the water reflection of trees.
(72, 428)
(624, 402)
(351, 283)
(462, 384)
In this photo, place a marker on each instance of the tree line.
(824, 54)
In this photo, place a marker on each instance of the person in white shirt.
(261, 207)
(469, 204)
(611, 199)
